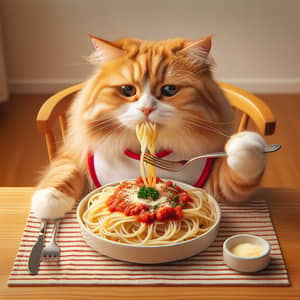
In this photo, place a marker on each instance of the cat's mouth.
(160, 125)
(133, 123)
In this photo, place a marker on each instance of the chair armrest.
(54, 106)
(253, 106)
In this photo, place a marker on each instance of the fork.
(175, 166)
(52, 252)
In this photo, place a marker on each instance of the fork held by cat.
(174, 166)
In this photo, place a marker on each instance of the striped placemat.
(80, 265)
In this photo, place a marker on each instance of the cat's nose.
(147, 110)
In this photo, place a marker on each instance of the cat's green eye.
(128, 90)
(169, 90)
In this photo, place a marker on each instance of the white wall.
(256, 45)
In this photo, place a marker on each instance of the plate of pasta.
(148, 219)
(129, 222)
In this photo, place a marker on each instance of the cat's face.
(168, 83)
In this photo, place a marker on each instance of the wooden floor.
(23, 151)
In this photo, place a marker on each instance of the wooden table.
(285, 209)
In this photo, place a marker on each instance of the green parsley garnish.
(175, 198)
(156, 206)
(148, 192)
(174, 204)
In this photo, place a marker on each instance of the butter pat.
(247, 250)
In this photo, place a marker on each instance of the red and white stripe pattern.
(80, 265)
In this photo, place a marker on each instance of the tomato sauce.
(147, 210)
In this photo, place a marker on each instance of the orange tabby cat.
(169, 83)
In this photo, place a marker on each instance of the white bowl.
(148, 254)
(246, 264)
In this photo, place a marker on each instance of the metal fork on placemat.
(175, 166)
(52, 252)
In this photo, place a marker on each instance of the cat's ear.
(200, 47)
(104, 50)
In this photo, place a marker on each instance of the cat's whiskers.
(102, 124)
(216, 122)
(203, 125)
(113, 126)
(205, 121)
(110, 123)
(109, 133)
(210, 128)
(101, 127)
(100, 121)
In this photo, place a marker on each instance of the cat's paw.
(50, 203)
(246, 154)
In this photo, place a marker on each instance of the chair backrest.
(250, 106)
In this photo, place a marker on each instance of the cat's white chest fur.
(121, 167)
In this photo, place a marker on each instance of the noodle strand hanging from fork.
(147, 134)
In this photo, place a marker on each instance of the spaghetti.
(124, 218)
(147, 134)
(149, 211)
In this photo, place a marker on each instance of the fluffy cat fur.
(196, 120)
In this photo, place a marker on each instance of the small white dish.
(242, 263)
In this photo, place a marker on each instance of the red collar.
(136, 156)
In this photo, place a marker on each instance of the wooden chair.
(250, 106)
